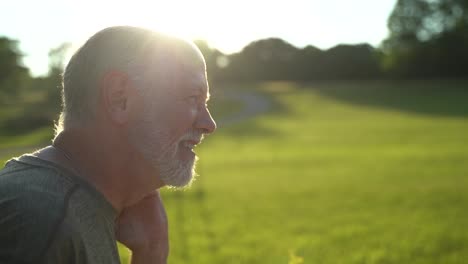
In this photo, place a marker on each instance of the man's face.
(174, 120)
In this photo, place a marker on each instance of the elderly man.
(134, 107)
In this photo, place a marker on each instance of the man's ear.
(116, 93)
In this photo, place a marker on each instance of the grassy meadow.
(335, 172)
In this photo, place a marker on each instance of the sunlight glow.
(185, 19)
(230, 25)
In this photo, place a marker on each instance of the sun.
(183, 19)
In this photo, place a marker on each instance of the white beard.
(175, 173)
(172, 171)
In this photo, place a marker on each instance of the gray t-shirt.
(50, 215)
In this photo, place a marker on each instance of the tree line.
(276, 59)
(428, 39)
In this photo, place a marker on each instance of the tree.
(266, 59)
(428, 38)
(13, 75)
(213, 59)
(53, 83)
(348, 62)
(45, 108)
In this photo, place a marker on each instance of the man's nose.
(205, 121)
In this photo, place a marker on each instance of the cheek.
(150, 132)
(181, 118)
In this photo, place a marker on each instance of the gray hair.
(129, 49)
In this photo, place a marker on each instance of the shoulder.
(32, 192)
(33, 202)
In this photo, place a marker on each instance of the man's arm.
(143, 228)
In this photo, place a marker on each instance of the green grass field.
(358, 172)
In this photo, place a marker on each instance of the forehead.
(176, 69)
(190, 81)
(187, 72)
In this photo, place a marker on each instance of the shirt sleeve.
(67, 246)
(30, 222)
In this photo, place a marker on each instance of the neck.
(111, 166)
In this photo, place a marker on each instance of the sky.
(226, 25)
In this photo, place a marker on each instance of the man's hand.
(143, 229)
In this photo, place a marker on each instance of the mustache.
(193, 136)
